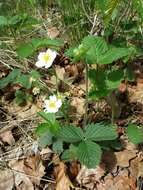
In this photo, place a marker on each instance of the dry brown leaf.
(128, 145)
(71, 71)
(34, 167)
(60, 72)
(89, 178)
(124, 182)
(27, 111)
(53, 32)
(114, 159)
(7, 137)
(27, 172)
(24, 183)
(123, 157)
(74, 169)
(120, 182)
(78, 103)
(136, 92)
(63, 182)
(45, 153)
(6, 180)
(21, 180)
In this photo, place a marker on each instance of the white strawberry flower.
(45, 59)
(53, 104)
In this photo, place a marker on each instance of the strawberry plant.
(95, 50)
(83, 143)
(25, 81)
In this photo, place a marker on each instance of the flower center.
(46, 57)
(52, 104)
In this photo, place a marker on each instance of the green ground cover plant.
(105, 40)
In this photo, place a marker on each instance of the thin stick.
(36, 177)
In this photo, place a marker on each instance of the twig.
(42, 179)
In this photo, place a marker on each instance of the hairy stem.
(86, 94)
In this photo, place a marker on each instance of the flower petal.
(53, 98)
(40, 64)
(51, 110)
(48, 63)
(59, 103)
(41, 55)
(52, 53)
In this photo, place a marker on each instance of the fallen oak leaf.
(28, 171)
(62, 180)
(21, 180)
(123, 157)
(89, 178)
(34, 167)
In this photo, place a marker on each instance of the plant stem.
(56, 79)
(112, 115)
(86, 99)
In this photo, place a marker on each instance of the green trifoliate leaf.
(46, 139)
(97, 43)
(114, 78)
(135, 134)
(57, 146)
(42, 128)
(112, 55)
(70, 154)
(27, 49)
(71, 134)
(100, 132)
(89, 153)
(11, 78)
(24, 80)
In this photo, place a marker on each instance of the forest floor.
(23, 166)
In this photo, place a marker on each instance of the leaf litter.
(24, 167)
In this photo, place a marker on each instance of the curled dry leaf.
(90, 177)
(136, 167)
(62, 180)
(21, 180)
(123, 157)
(114, 159)
(45, 153)
(34, 167)
(27, 172)
(122, 181)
